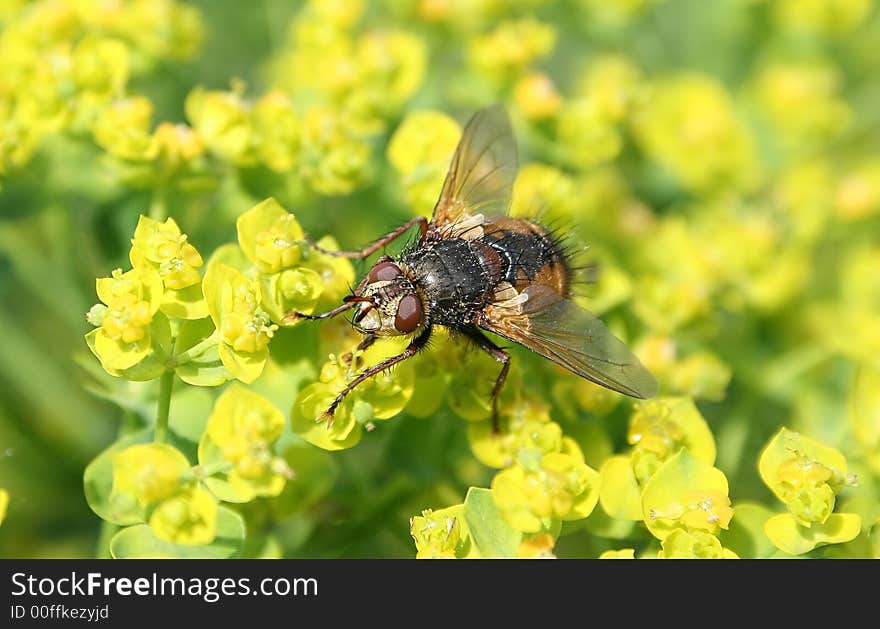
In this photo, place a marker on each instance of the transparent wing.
(482, 171)
(565, 333)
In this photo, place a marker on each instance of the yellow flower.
(177, 144)
(707, 510)
(858, 192)
(270, 236)
(586, 133)
(124, 335)
(276, 132)
(221, 121)
(164, 248)
(420, 150)
(687, 123)
(537, 97)
(804, 474)
(538, 546)
(123, 129)
(150, 472)
(100, 66)
(189, 517)
(437, 534)
(334, 159)
(783, 88)
(614, 84)
(686, 494)
(233, 302)
(511, 47)
(661, 427)
(559, 487)
(241, 431)
(682, 544)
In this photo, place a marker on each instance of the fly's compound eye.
(384, 272)
(409, 314)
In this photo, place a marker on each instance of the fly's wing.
(481, 175)
(562, 331)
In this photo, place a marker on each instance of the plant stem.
(107, 531)
(165, 384)
(158, 204)
(194, 351)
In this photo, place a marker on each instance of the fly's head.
(389, 304)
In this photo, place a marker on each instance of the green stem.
(204, 471)
(199, 348)
(158, 204)
(108, 530)
(165, 384)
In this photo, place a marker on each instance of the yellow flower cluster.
(66, 62)
(728, 214)
(133, 338)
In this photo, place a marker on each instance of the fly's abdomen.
(529, 254)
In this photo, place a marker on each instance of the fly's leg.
(292, 317)
(411, 350)
(502, 357)
(421, 221)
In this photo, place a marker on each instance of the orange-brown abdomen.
(530, 254)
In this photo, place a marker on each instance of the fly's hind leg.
(502, 357)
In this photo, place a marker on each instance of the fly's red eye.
(384, 272)
(409, 314)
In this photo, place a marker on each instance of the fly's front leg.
(292, 317)
(502, 357)
(411, 350)
(421, 221)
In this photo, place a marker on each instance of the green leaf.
(189, 412)
(207, 372)
(746, 535)
(490, 533)
(204, 368)
(139, 542)
(98, 484)
(193, 332)
(224, 491)
(602, 525)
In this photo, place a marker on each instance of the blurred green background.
(781, 163)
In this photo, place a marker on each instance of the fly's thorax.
(455, 276)
(390, 303)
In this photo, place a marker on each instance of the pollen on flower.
(280, 246)
(436, 533)
(707, 510)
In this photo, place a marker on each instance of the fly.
(475, 269)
